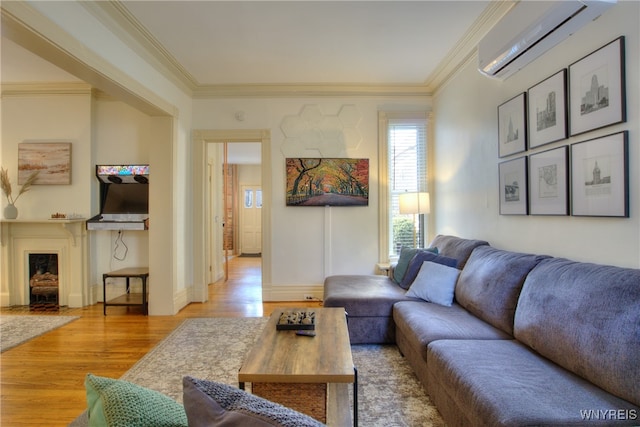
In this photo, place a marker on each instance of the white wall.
(121, 135)
(309, 243)
(49, 118)
(466, 155)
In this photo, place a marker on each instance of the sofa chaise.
(527, 340)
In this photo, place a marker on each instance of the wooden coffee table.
(308, 374)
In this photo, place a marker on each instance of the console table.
(128, 298)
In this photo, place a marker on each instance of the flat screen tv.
(126, 199)
(327, 182)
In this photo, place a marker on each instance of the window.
(403, 140)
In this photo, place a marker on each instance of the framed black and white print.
(549, 182)
(513, 187)
(600, 176)
(512, 126)
(597, 89)
(547, 110)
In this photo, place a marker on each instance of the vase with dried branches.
(10, 211)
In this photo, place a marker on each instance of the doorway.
(235, 206)
(202, 213)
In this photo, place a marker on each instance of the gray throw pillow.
(435, 283)
(209, 403)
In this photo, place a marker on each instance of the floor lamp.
(414, 204)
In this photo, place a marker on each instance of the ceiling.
(212, 44)
(283, 42)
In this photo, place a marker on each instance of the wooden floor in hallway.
(42, 380)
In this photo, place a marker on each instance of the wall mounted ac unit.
(531, 28)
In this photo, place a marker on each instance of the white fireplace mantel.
(65, 237)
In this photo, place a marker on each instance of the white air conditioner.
(531, 28)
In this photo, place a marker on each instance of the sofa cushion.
(406, 255)
(424, 322)
(490, 284)
(416, 263)
(435, 283)
(503, 383)
(113, 402)
(362, 295)
(586, 318)
(210, 403)
(456, 247)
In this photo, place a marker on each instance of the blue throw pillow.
(416, 263)
(406, 255)
(435, 283)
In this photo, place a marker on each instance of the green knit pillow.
(117, 403)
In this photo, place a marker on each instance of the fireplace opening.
(43, 282)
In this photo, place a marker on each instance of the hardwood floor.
(42, 380)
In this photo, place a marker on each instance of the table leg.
(104, 294)
(145, 305)
(355, 397)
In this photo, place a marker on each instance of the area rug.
(16, 329)
(213, 348)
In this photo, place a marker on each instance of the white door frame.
(201, 251)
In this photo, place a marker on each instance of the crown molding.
(117, 18)
(467, 47)
(35, 32)
(49, 88)
(308, 90)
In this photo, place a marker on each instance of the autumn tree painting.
(327, 182)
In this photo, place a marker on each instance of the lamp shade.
(414, 203)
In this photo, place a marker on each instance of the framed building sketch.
(600, 176)
(512, 126)
(549, 182)
(597, 89)
(52, 159)
(513, 187)
(547, 110)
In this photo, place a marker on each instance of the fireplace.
(44, 285)
(45, 262)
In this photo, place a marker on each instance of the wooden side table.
(128, 298)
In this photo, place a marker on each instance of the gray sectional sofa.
(528, 340)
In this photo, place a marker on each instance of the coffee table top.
(283, 356)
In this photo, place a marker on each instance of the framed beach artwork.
(547, 110)
(597, 89)
(549, 182)
(600, 176)
(512, 126)
(51, 159)
(513, 187)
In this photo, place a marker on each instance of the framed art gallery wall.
(584, 176)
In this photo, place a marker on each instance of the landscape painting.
(327, 182)
(51, 159)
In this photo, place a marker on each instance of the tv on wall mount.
(327, 181)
